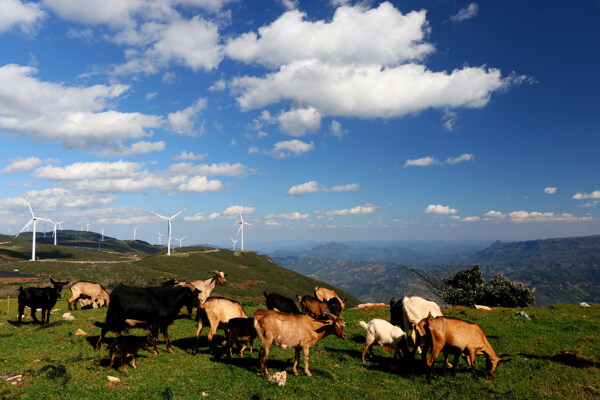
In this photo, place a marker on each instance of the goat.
(462, 336)
(407, 313)
(384, 334)
(325, 294)
(319, 309)
(240, 330)
(128, 346)
(204, 286)
(276, 301)
(292, 330)
(218, 310)
(98, 295)
(36, 297)
(155, 306)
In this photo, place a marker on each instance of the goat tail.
(363, 324)
(503, 357)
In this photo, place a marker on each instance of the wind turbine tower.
(134, 231)
(160, 235)
(169, 234)
(56, 224)
(242, 223)
(33, 220)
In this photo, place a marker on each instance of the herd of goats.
(281, 325)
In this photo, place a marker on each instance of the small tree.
(465, 288)
(501, 292)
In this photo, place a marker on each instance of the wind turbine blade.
(246, 223)
(25, 227)
(177, 214)
(30, 209)
(158, 215)
(241, 226)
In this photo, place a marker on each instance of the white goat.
(410, 312)
(383, 333)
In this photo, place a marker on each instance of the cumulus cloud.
(290, 216)
(550, 190)
(314, 186)
(19, 164)
(272, 223)
(189, 156)
(56, 199)
(495, 214)
(25, 16)
(358, 210)
(183, 121)
(200, 184)
(535, 216)
(289, 148)
(141, 147)
(78, 117)
(230, 212)
(222, 169)
(467, 12)
(439, 209)
(584, 196)
(298, 122)
(336, 129)
(88, 170)
(471, 219)
(427, 161)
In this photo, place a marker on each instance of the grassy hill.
(555, 355)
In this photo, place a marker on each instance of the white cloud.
(289, 4)
(79, 117)
(200, 184)
(462, 158)
(590, 204)
(19, 164)
(195, 217)
(449, 120)
(230, 212)
(141, 147)
(189, 156)
(314, 186)
(584, 196)
(25, 16)
(222, 169)
(439, 209)
(183, 121)
(88, 170)
(421, 162)
(272, 223)
(336, 129)
(529, 216)
(550, 190)
(471, 219)
(298, 122)
(55, 199)
(495, 214)
(290, 216)
(382, 35)
(253, 150)
(291, 148)
(358, 210)
(150, 96)
(467, 12)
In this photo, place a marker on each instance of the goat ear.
(429, 317)
(52, 280)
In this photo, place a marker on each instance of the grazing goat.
(157, 307)
(281, 303)
(325, 294)
(217, 310)
(319, 309)
(36, 297)
(240, 330)
(460, 336)
(384, 334)
(204, 286)
(291, 330)
(128, 346)
(407, 313)
(98, 295)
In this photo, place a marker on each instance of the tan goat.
(98, 295)
(464, 337)
(293, 330)
(325, 294)
(218, 310)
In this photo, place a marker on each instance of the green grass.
(539, 368)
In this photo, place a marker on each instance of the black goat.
(156, 307)
(240, 330)
(276, 301)
(37, 297)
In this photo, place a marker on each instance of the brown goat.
(319, 309)
(98, 295)
(240, 330)
(325, 294)
(293, 330)
(218, 310)
(128, 346)
(461, 336)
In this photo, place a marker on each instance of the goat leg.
(306, 360)
(296, 358)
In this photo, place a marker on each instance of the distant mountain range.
(556, 270)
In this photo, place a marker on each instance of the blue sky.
(318, 120)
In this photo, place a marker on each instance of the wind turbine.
(54, 230)
(169, 235)
(87, 225)
(180, 240)
(102, 240)
(160, 235)
(33, 219)
(134, 231)
(242, 223)
(233, 242)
